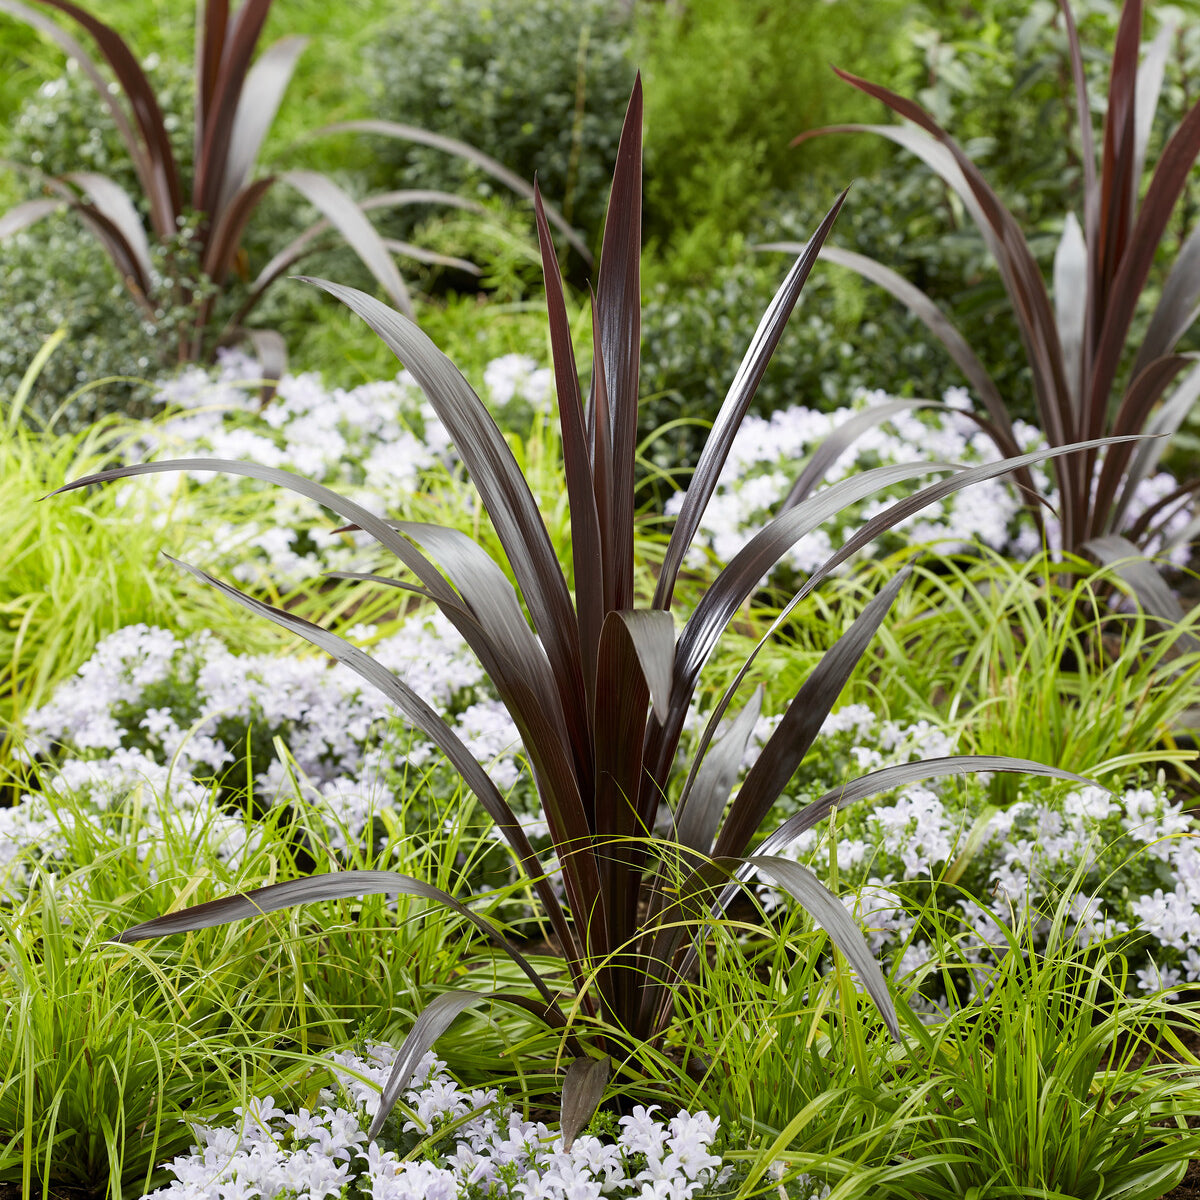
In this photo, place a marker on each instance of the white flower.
(1152, 979)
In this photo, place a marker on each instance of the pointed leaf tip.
(583, 1089)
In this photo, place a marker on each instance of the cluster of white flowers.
(375, 443)
(1135, 854)
(150, 709)
(470, 1143)
(172, 809)
(767, 452)
(157, 715)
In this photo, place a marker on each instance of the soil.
(1189, 1189)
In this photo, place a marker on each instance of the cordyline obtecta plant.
(599, 685)
(236, 104)
(1088, 380)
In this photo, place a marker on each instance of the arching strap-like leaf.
(27, 213)
(703, 802)
(303, 244)
(1083, 119)
(733, 409)
(887, 778)
(838, 442)
(622, 697)
(581, 497)
(652, 637)
(513, 668)
(153, 153)
(417, 711)
(347, 218)
(225, 236)
(308, 241)
(114, 203)
(356, 514)
(1018, 268)
(583, 1089)
(739, 579)
(1132, 415)
(1161, 427)
(516, 662)
(216, 121)
(680, 918)
(74, 50)
(801, 723)
(431, 257)
(386, 581)
(212, 25)
(869, 785)
(764, 550)
(502, 486)
(261, 95)
(1070, 308)
(424, 137)
(599, 429)
(1171, 175)
(617, 311)
(1150, 589)
(936, 156)
(490, 597)
(105, 209)
(759, 555)
(337, 885)
(1118, 184)
(402, 197)
(928, 313)
(1149, 87)
(828, 912)
(437, 1016)
(1176, 311)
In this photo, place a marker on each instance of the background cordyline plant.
(236, 104)
(599, 685)
(1088, 381)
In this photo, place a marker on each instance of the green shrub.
(64, 125)
(538, 84)
(58, 275)
(729, 84)
(844, 335)
(1000, 76)
(1096, 365)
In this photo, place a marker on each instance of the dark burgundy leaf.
(424, 137)
(237, 49)
(504, 491)
(583, 1089)
(801, 723)
(581, 498)
(262, 93)
(888, 778)
(359, 234)
(338, 885)
(163, 190)
(433, 1021)
(618, 318)
(733, 409)
(711, 782)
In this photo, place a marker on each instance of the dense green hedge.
(540, 85)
